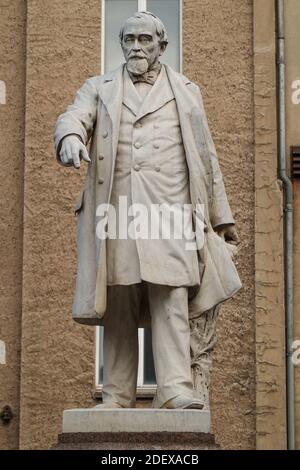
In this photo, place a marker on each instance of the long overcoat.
(95, 117)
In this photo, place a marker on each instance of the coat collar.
(179, 83)
(131, 97)
(111, 91)
(160, 94)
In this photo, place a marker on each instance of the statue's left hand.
(228, 232)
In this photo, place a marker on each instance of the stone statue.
(150, 145)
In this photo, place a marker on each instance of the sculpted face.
(140, 44)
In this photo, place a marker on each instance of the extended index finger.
(76, 159)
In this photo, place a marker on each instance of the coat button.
(156, 146)
(100, 180)
(137, 167)
(104, 134)
(157, 168)
(138, 124)
(137, 145)
(100, 157)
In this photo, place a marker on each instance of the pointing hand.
(72, 151)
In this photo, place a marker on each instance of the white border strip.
(102, 59)
(142, 5)
(180, 35)
(97, 352)
(140, 378)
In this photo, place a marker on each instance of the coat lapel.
(131, 97)
(111, 93)
(160, 94)
(186, 103)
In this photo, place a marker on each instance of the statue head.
(143, 39)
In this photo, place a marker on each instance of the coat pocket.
(232, 249)
(220, 279)
(78, 206)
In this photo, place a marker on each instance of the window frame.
(142, 6)
(143, 390)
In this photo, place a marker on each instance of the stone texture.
(93, 420)
(223, 67)
(136, 441)
(12, 73)
(63, 49)
(292, 35)
(269, 272)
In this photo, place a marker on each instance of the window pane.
(149, 372)
(169, 12)
(116, 12)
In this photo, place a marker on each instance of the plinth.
(135, 429)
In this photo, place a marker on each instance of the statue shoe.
(183, 402)
(107, 406)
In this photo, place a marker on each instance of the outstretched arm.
(74, 127)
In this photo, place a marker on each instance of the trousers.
(170, 343)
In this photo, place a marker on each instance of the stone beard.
(137, 66)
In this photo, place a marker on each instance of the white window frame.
(142, 6)
(142, 389)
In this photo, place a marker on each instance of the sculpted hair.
(160, 27)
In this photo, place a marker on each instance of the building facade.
(47, 362)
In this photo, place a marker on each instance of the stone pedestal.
(134, 429)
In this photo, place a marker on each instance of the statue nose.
(136, 46)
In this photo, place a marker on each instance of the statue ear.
(163, 47)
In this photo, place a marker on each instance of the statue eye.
(145, 39)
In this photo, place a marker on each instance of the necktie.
(148, 77)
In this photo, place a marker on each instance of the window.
(114, 13)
